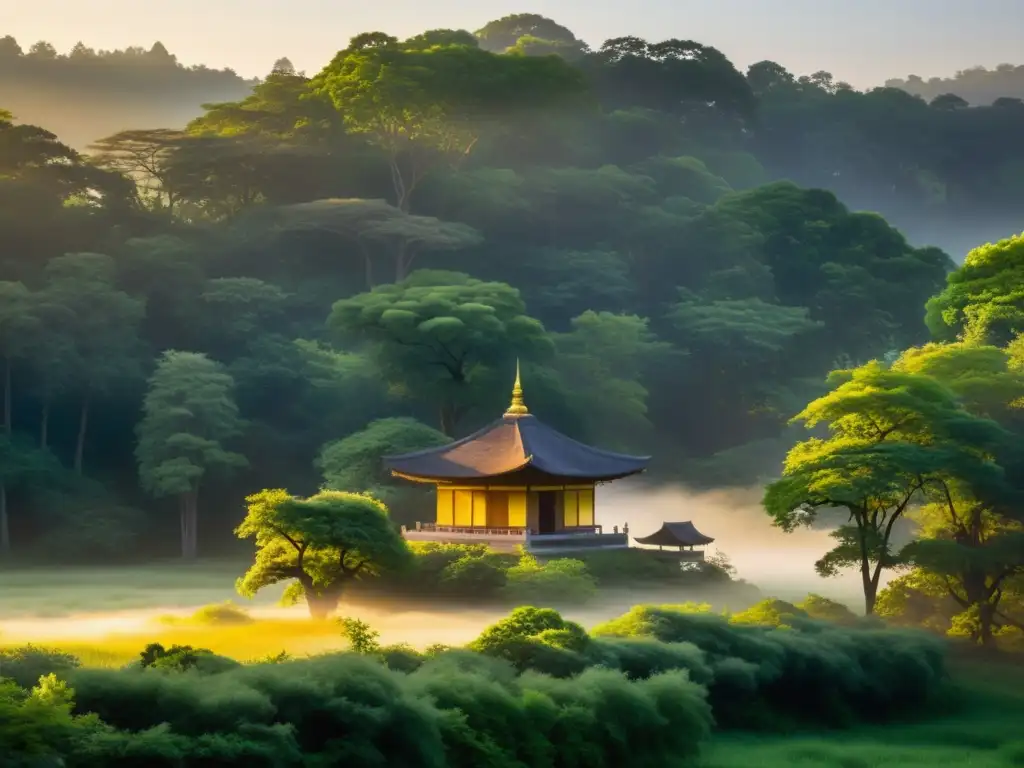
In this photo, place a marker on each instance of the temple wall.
(510, 507)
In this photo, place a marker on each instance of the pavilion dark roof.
(511, 444)
(676, 535)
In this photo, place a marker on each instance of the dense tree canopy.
(315, 269)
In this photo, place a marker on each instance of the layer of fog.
(779, 564)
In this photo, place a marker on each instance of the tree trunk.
(5, 527)
(44, 425)
(183, 524)
(369, 272)
(188, 506)
(986, 618)
(448, 420)
(402, 261)
(83, 425)
(7, 395)
(870, 589)
(321, 606)
(193, 522)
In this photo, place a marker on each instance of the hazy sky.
(860, 41)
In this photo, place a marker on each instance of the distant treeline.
(86, 93)
(978, 86)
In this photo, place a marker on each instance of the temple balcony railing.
(556, 542)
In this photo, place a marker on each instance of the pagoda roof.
(516, 442)
(512, 443)
(676, 535)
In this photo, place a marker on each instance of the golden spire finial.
(518, 407)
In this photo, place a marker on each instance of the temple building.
(517, 482)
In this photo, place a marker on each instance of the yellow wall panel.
(517, 510)
(464, 509)
(570, 509)
(497, 509)
(586, 501)
(480, 509)
(445, 507)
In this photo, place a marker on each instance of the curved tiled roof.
(514, 443)
(676, 535)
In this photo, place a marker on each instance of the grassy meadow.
(105, 616)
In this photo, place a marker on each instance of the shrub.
(555, 582)
(361, 636)
(36, 727)
(181, 658)
(770, 613)
(25, 664)
(626, 567)
(823, 609)
(478, 575)
(226, 613)
(815, 673)
(538, 639)
(458, 570)
(458, 709)
(401, 657)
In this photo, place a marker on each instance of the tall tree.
(106, 341)
(145, 157)
(373, 225)
(429, 108)
(189, 417)
(891, 435)
(971, 530)
(436, 334)
(320, 545)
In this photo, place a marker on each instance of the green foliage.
(983, 301)
(415, 325)
(225, 613)
(824, 609)
(361, 638)
(422, 107)
(817, 672)
(183, 658)
(189, 415)
(892, 434)
(25, 664)
(189, 412)
(37, 727)
(318, 545)
(770, 613)
(558, 581)
(354, 463)
(614, 217)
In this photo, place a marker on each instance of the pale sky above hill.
(861, 41)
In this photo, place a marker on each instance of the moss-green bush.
(563, 581)
(226, 613)
(25, 664)
(348, 709)
(809, 672)
(532, 689)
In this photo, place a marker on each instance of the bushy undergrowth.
(475, 572)
(532, 690)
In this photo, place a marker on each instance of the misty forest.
(223, 302)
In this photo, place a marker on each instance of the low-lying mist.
(780, 564)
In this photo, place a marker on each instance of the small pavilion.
(683, 536)
(515, 482)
